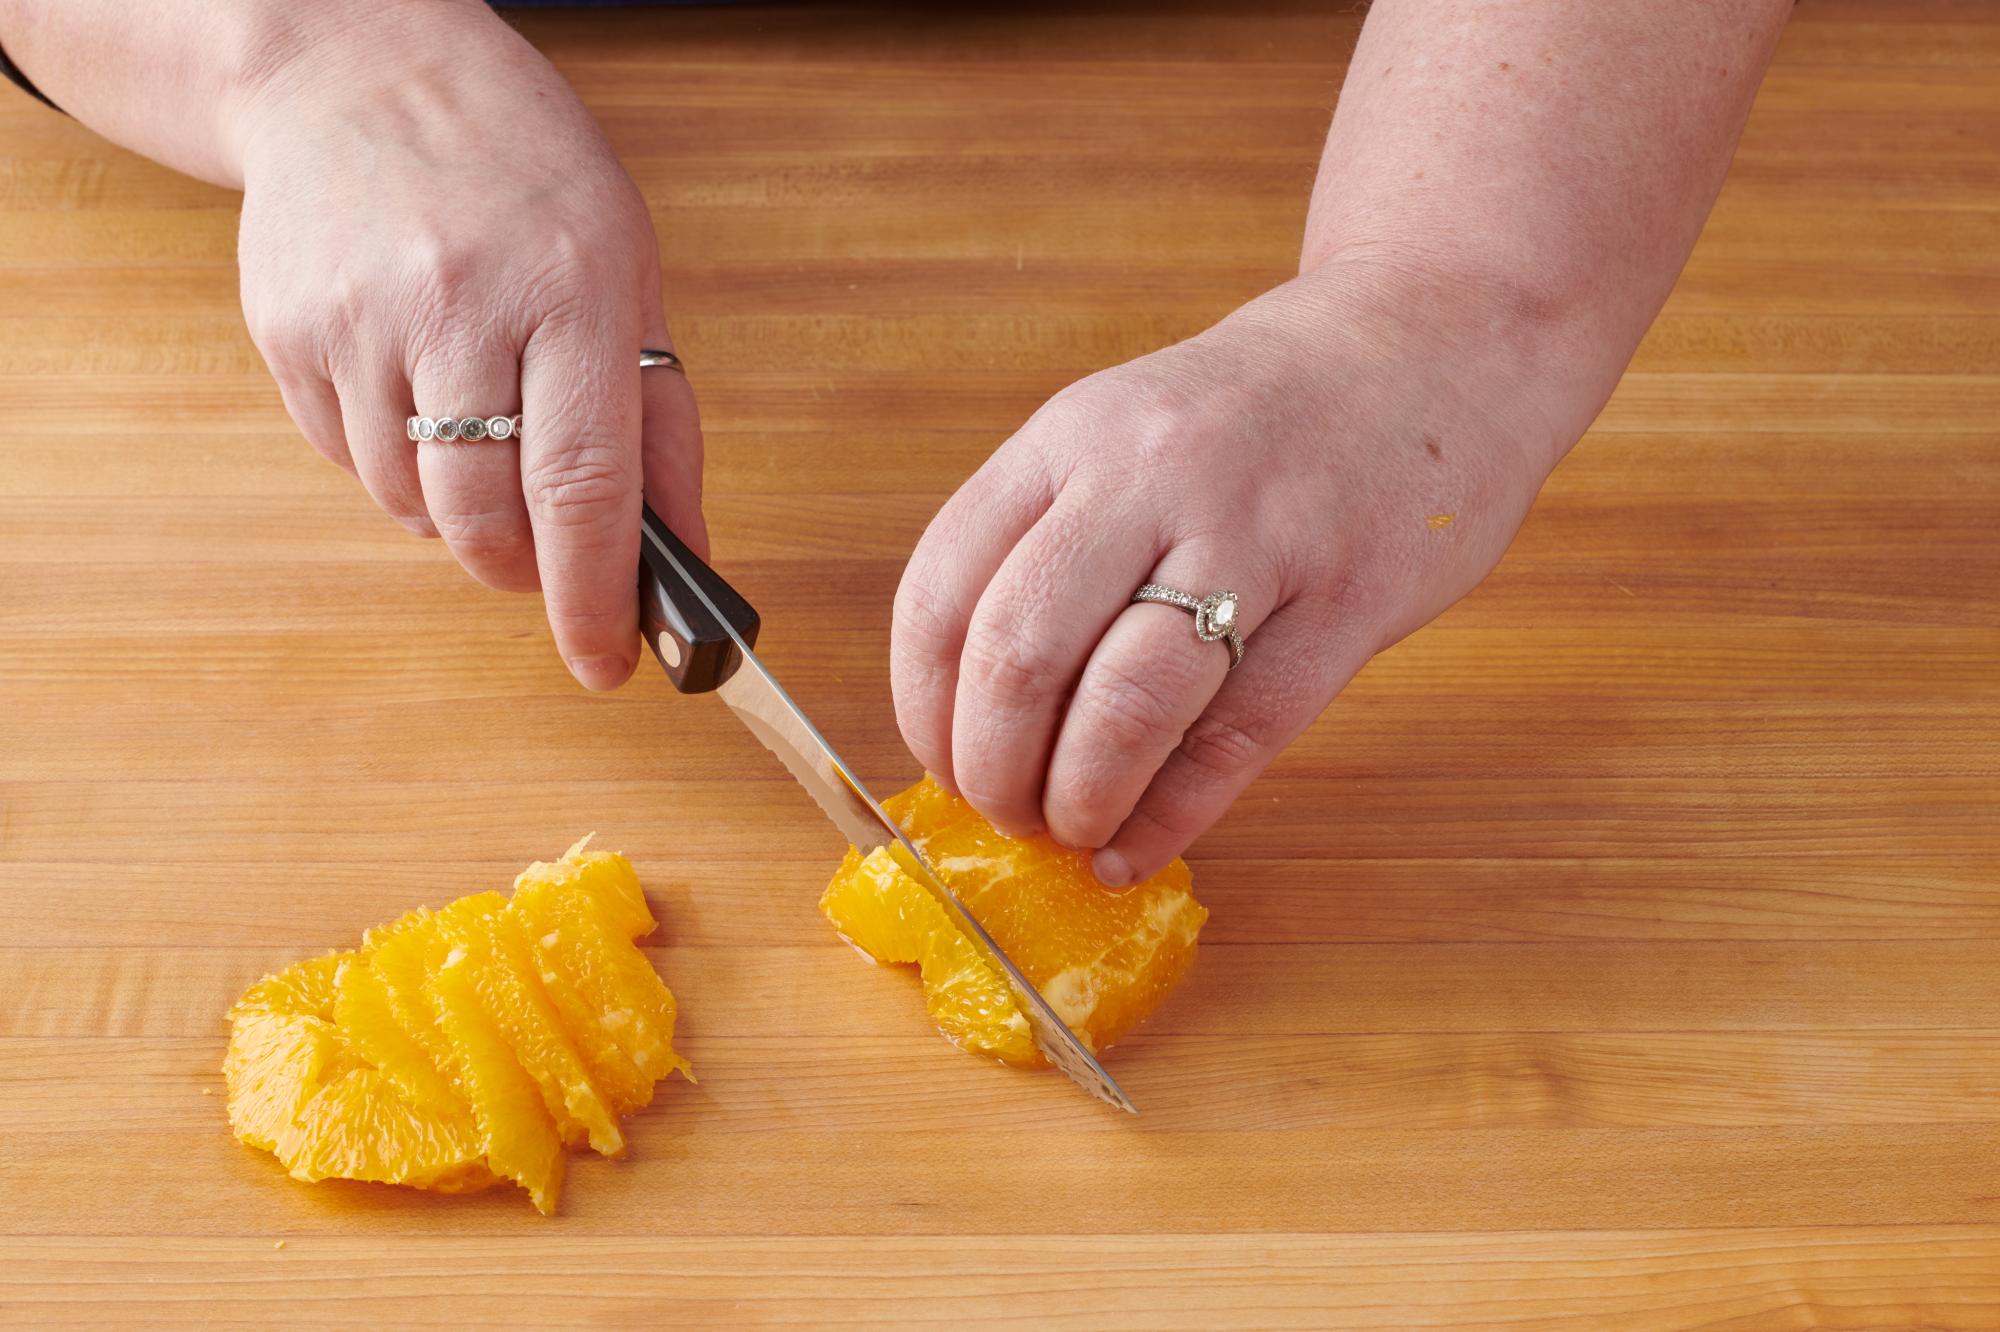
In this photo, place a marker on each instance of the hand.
(434, 225)
(1348, 456)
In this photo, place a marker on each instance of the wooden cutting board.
(1621, 952)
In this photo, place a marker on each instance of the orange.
(1103, 958)
(359, 1126)
(519, 1138)
(510, 984)
(283, 1047)
(370, 1016)
(581, 930)
(462, 1045)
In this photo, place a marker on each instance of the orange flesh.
(465, 1045)
(1104, 959)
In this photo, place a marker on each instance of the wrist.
(1543, 351)
(299, 63)
(1512, 359)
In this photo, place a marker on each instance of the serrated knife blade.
(770, 714)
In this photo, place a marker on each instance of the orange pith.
(464, 1045)
(1104, 959)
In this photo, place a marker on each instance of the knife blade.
(703, 632)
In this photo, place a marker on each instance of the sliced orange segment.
(603, 876)
(520, 1139)
(1103, 958)
(399, 955)
(621, 1015)
(283, 1047)
(465, 1044)
(360, 1126)
(276, 1063)
(510, 985)
(368, 1016)
(305, 988)
(878, 909)
(624, 1087)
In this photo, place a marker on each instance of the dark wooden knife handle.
(684, 632)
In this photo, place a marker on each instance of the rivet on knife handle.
(684, 633)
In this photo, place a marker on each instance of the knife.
(702, 631)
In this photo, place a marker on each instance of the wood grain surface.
(1623, 952)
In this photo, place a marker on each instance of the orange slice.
(519, 1138)
(360, 1126)
(375, 1021)
(462, 1045)
(580, 925)
(879, 910)
(510, 986)
(1104, 958)
(283, 1048)
(399, 956)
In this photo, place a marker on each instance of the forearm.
(181, 81)
(1542, 170)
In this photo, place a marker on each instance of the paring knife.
(702, 630)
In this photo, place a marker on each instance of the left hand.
(1348, 456)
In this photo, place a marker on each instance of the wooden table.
(1621, 952)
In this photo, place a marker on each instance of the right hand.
(434, 225)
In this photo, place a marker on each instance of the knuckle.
(921, 645)
(1224, 748)
(577, 265)
(1135, 714)
(1006, 668)
(920, 722)
(344, 302)
(591, 622)
(1071, 410)
(401, 497)
(432, 252)
(587, 483)
(268, 324)
(562, 291)
(1010, 810)
(481, 534)
(283, 338)
(925, 619)
(1081, 803)
(445, 271)
(1175, 822)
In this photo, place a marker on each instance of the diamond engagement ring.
(471, 429)
(1214, 615)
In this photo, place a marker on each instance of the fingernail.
(600, 673)
(1112, 870)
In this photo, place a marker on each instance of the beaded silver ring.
(469, 429)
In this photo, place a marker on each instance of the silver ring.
(1214, 615)
(471, 429)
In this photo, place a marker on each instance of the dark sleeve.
(15, 75)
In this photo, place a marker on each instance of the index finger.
(581, 476)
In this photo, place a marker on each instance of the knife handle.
(686, 635)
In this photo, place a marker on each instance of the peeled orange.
(465, 1045)
(1104, 958)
